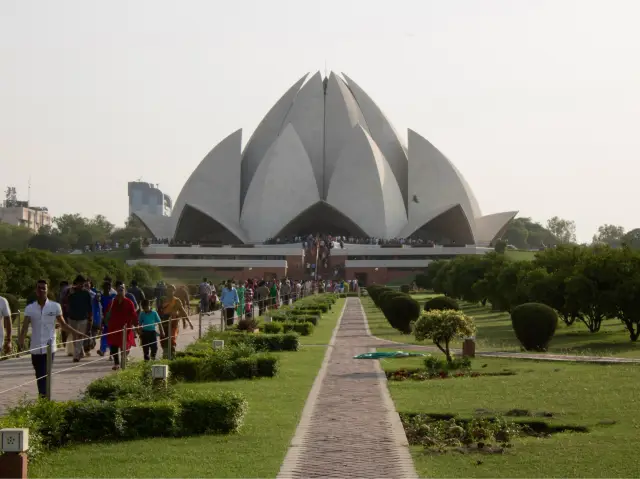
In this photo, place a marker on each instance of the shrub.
(187, 368)
(385, 300)
(405, 288)
(351, 294)
(435, 365)
(322, 307)
(422, 281)
(305, 312)
(134, 382)
(247, 324)
(49, 419)
(500, 247)
(149, 419)
(534, 325)
(274, 327)
(402, 311)
(205, 412)
(441, 303)
(304, 318)
(442, 327)
(302, 328)
(92, 420)
(268, 365)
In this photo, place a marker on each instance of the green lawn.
(519, 255)
(577, 394)
(496, 334)
(257, 450)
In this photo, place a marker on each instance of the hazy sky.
(536, 102)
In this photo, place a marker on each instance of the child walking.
(148, 320)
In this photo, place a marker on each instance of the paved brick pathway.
(349, 427)
(69, 384)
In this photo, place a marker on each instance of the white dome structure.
(325, 159)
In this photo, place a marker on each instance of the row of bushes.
(19, 271)
(583, 284)
(400, 309)
(54, 424)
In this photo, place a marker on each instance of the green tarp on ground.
(386, 354)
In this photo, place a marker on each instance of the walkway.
(70, 379)
(349, 426)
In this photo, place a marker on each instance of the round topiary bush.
(405, 288)
(534, 325)
(440, 303)
(402, 311)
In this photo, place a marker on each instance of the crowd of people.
(109, 320)
(309, 239)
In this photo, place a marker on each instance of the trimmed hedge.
(441, 303)
(302, 328)
(534, 325)
(259, 342)
(403, 310)
(55, 424)
(219, 367)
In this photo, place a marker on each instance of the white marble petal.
(489, 226)
(307, 117)
(435, 182)
(383, 133)
(342, 113)
(282, 188)
(215, 184)
(265, 134)
(364, 188)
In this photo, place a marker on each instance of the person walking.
(241, 295)
(172, 310)
(122, 314)
(42, 315)
(229, 299)
(148, 321)
(80, 311)
(262, 296)
(5, 327)
(205, 291)
(105, 301)
(136, 292)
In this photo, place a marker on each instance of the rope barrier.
(265, 303)
(104, 358)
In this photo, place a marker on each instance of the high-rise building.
(148, 199)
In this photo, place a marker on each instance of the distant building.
(19, 213)
(148, 199)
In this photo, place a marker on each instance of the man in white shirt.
(5, 319)
(43, 315)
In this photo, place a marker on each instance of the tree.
(500, 246)
(563, 230)
(611, 235)
(14, 237)
(524, 233)
(591, 288)
(632, 239)
(50, 242)
(442, 327)
(627, 293)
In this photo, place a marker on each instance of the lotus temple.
(326, 160)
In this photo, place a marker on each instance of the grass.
(275, 406)
(520, 255)
(578, 394)
(496, 334)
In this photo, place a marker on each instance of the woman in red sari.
(122, 313)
